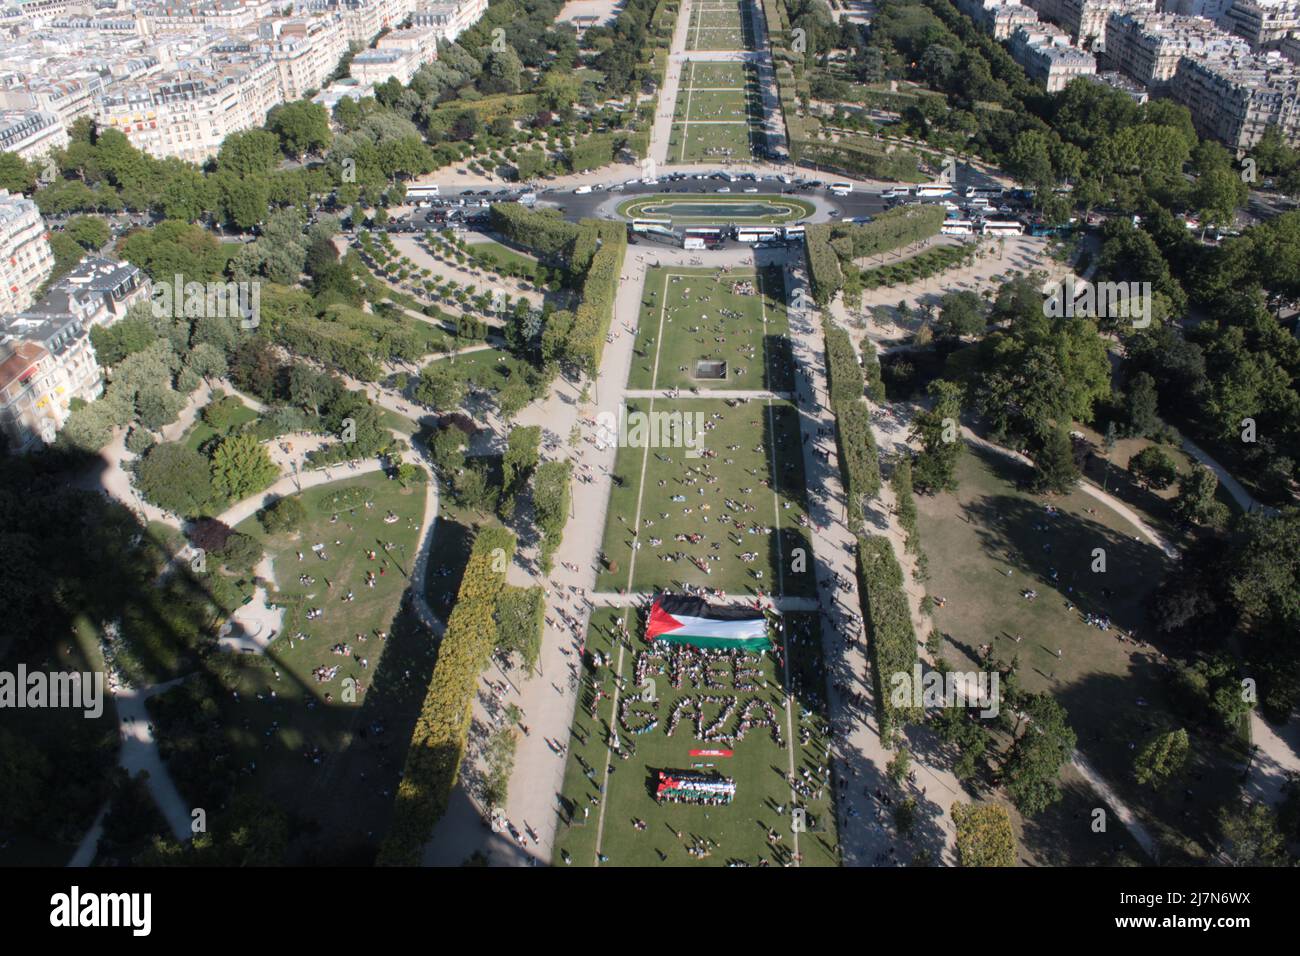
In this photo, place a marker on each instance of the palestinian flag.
(687, 620)
(684, 786)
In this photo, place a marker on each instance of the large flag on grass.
(686, 620)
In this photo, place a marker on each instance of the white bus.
(712, 235)
(841, 189)
(649, 225)
(983, 192)
(794, 233)
(692, 242)
(429, 191)
(1002, 227)
(932, 191)
(957, 227)
(757, 233)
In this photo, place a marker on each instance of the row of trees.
(438, 742)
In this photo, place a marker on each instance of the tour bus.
(957, 227)
(650, 225)
(841, 189)
(692, 242)
(1002, 227)
(794, 233)
(712, 235)
(429, 191)
(932, 191)
(757, 233)
(983, 192)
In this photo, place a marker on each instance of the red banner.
(711, 753)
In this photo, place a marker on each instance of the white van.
(582, 190)
(841, 189)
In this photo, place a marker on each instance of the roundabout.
(687, 210)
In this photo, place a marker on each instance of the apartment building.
(31, 133)
(1085, 20)
(996, 18)
(99, 291)
(422, 41)
(373, 67)
(1262, 23)
(363, 19)
(25, 256)
(37, 398)
(1235, 99)
(305, 52)
(1289, 47)
(26, 387)
(1048, 57)
(188, 114)
(1147, 47)
(450, 20)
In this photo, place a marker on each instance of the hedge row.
(863, 159)
(438, 742)
(585, 342)
(905, 502)
(888, 619)
(859, 460)
(551, 494)
(896, 227)
(545, 233)
(824, 272)
(843, 373)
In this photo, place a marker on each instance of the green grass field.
(601, 808)
(706, 75)
(501, 254)
(744, 509)
(351, 512)
(698, 142)
(718, 26)
(263, 724)
(689, 315)
(1116, 693)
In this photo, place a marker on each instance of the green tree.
(1043, 746)
(938, 429)
(242, 466)
(89, 232)
(1153, 467)
(1251, 835)
(1196, 502)
(1141, 406)
(1054, 467)
(984, 834)
(1162, 758)
(175, 478)
(302, 126)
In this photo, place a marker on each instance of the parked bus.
(429, 191)
(957, 227)
(692, 242)
(1002, 227)
(794, 233)
(649, 225)
(712, 235)
(757, 233)
(983, 192)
